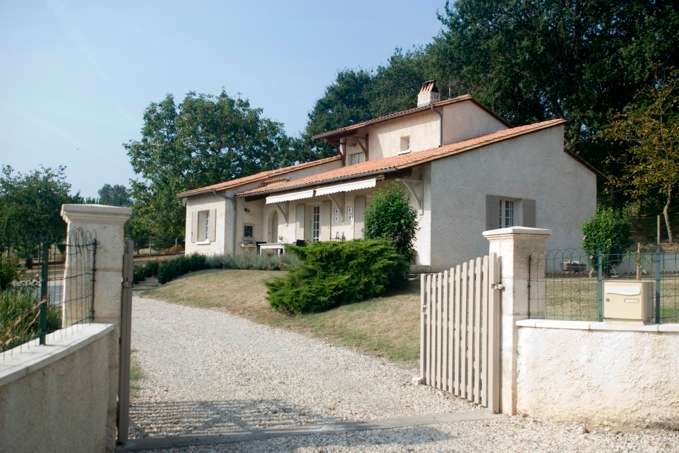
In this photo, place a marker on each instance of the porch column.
(514, 246)
(106, 225)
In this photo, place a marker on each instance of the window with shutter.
(203, 226)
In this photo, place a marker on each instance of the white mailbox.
(629, 300)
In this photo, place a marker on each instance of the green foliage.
(30, 205)
(19, 317)
(9, 271)
(258, 262)
(200, 141)
(607, 233)
(649, 129)
(534, 60)
(145, 270)
(176, 267)
(389, 216)
(114, 195)
(337, 273)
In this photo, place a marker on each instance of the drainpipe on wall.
(440, 114)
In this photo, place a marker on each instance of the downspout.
(440, 114)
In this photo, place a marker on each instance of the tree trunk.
(666, 214)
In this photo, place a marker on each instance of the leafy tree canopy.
(114, 195)
(30, 205)
(649, 130)
(200, 141)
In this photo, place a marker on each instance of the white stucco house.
(465, 169)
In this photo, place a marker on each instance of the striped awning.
(347, 186)
(291, 196)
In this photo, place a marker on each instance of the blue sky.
(77, 76)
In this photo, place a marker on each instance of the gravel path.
(210, 373)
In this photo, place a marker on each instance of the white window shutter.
(211, 225)
(194, 225)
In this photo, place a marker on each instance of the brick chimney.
(429, 93)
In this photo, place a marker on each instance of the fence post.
(600, 286)
(514, 245)
(105, 224)
(658, 283)
(44, 294)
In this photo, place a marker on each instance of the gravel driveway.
(207, 373)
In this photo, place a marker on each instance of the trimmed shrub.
(9, 271)
(389, 216)
(176, 267)
(337, 273)
(608, 233)
(265, 263)
(145, 270)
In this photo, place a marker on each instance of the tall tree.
(345, 102)
(30, 205)
(649, 130)
(536, 59)
(203, 140)
(114, 195)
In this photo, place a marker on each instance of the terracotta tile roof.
(329, 135)
(262, 176)
(394, 163)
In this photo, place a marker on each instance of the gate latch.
(498, 286)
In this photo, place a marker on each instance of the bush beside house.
(389, 216)
(337, 273)
(607, 233)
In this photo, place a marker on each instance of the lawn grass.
(387, 326)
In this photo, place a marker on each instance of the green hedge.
(176, 267)
(337, 273)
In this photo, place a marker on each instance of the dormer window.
(405, 144)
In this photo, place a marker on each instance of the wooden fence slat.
(484, 333)
(470, 331)
(445, 331)
(451, 328)
(440, 331)
(430, 316)
(423, 326)
(434, 351)
(463, 333)
(494, 337)
(477, 332)
(456, 333)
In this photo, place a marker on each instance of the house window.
(316, 224)
(203, 225)
(405, 144)
(248, 232)
(356, 158)
(506, 209)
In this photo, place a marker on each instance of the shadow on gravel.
(170, 424)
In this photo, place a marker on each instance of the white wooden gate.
(460, 331)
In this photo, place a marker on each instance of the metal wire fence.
(569, 284)
(45, 286)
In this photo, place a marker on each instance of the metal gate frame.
(123, 419)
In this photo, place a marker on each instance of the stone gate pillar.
(106, 225)
(514, 245)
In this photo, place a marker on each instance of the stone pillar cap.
(517, 230)
(95, 213)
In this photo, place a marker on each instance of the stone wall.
(60, 397)
(599, 373)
